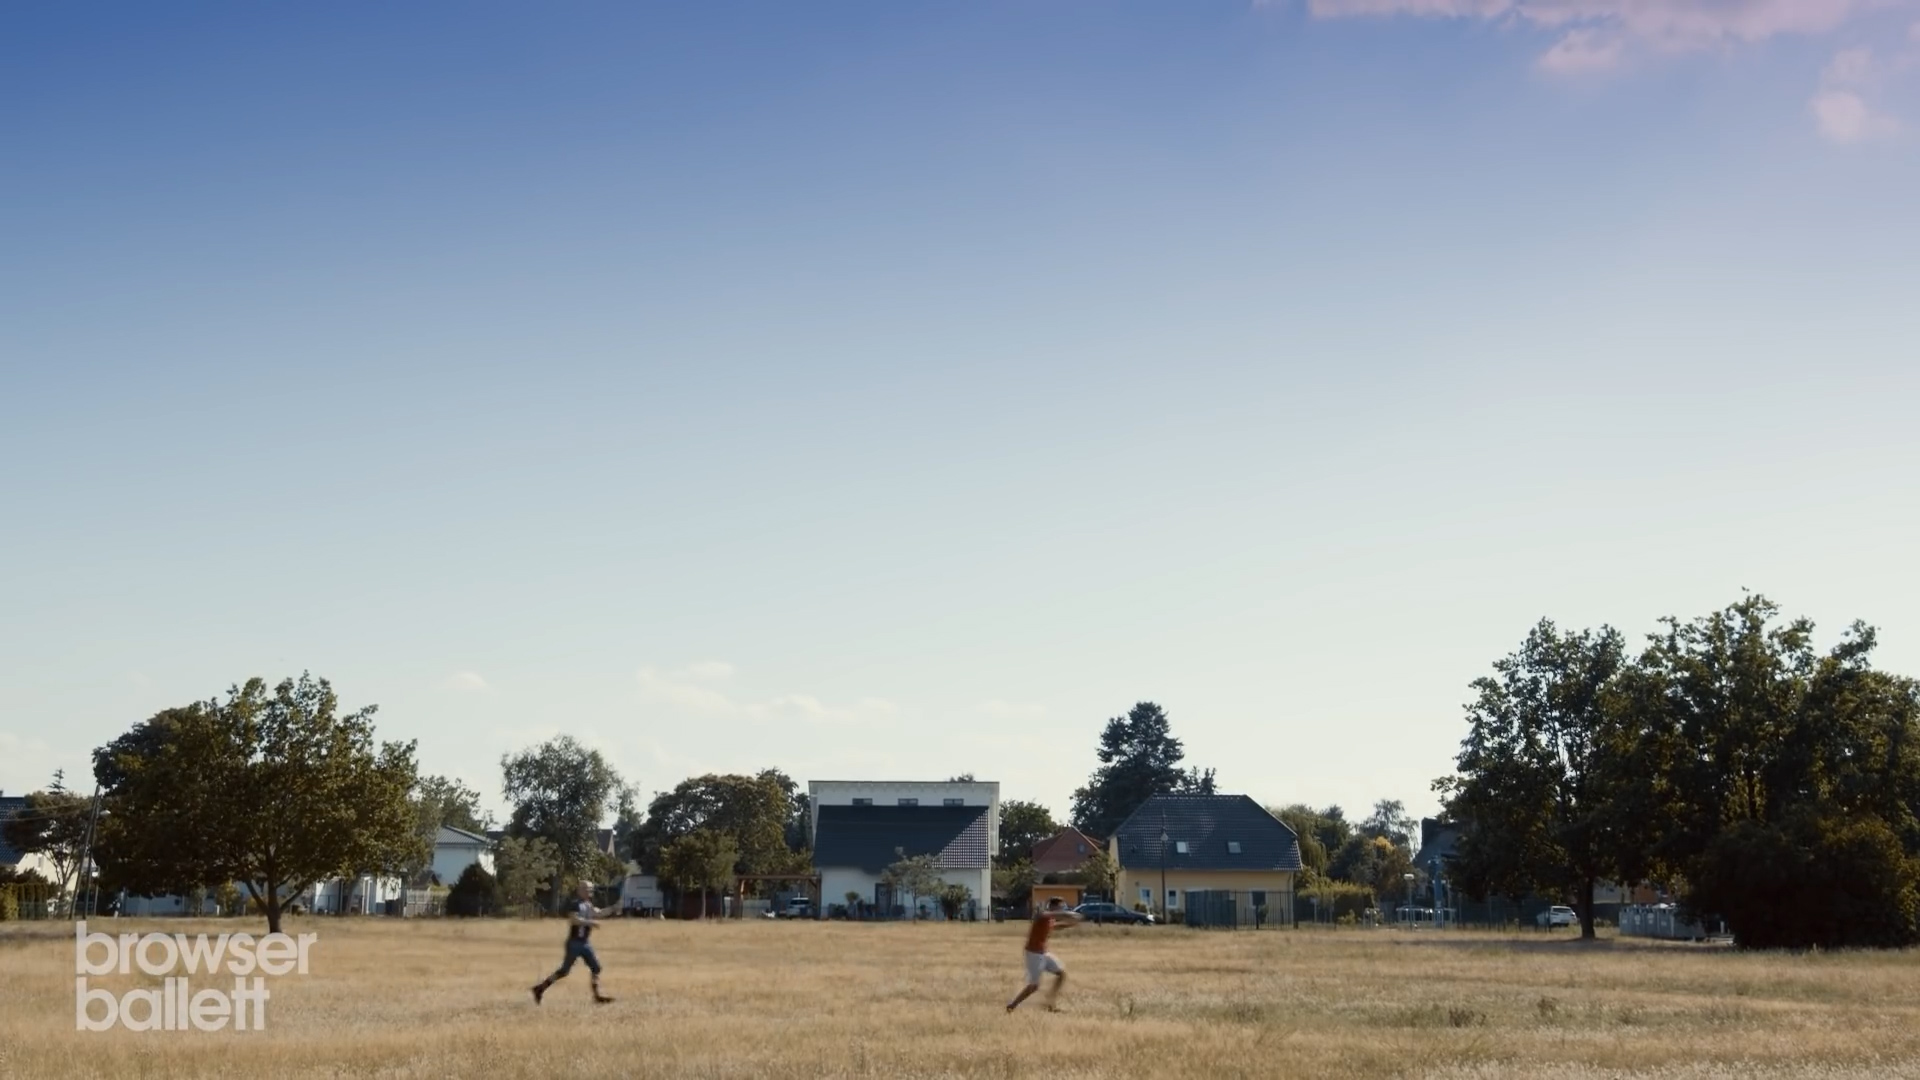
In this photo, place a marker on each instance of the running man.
(1039, 960)
(580, 923)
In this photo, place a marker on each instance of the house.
(456, 849)
(10, 805)
(862, 827)
(1064, 852)
(1192, 843)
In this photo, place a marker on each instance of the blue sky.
(877, 390)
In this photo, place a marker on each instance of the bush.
(9, 905)
(1814, 880)
(476, 893)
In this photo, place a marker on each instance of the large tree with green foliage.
(1139, 758)
(276, 789)
(756, 811)
(1754, 751)
(562, 791)
(1022, 825)
(1540, 771)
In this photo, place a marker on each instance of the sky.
(890, 391)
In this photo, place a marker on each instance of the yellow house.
(1239, 858)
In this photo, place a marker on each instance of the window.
(1080, 849)
(1233, 847)
(1173, 899)
(1179, 847)
(1146, 895)
(909, 802)
(1259, 898)
(953, 802)
(863, 802)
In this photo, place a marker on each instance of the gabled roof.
(450, 835)
(1211, 827)
(9, 806)
(1064, 851)
(872, 838)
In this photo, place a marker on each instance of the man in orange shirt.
(1039, 960)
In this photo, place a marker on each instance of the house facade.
(456, 849)
(1173, 845)
(861, 827)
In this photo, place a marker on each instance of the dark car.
(1112, 913)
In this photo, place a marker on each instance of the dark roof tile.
(1210, 826)
(873, 838)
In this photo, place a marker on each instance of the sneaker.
(601, 999)
(539, 992)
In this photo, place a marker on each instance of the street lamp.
(1409, 876)
(1164, 912)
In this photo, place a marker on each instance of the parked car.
(1099, 912)
(1556, 916)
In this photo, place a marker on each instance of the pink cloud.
(1595, 31)
(1845, 117)
(1582, 51)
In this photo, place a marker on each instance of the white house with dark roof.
(861, 827)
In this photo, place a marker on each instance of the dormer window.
(1233, 847)
(1179, 847)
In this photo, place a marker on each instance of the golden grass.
(765, 999)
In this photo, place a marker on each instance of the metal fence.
(1230, 909)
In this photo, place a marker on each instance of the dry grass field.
(770, 999)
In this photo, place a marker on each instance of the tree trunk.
(272, 904)
(1586, 908)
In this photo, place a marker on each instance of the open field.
(449, 998)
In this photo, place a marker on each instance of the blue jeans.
(582, 951)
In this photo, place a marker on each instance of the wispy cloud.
(1674, 25)
(688, 689)
(467, 682)
(1840, 107)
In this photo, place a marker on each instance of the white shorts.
(1041, 963)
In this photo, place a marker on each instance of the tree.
(954, 900)
(1391, 821)
(1748, 739)
(438, 801)
(1015, 882)
(274, 789)
(476, 893)
(1539, 771)
(1812, 881)
(1308, 827)
(1102, 874)
(53, 823)
(1139, 758)
(756, 811)
(523, 864)
(703, 859)
(915, 876)
(1022, 825)
(562, 791)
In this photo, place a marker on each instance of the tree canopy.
(1022, 825)
(1139, 758)
(757, 812)
(562, 791)
(1730, 760)
(275, 789)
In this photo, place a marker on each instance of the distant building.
(1064, 852)
(862, 827)
(1186, 843)
(456, 849)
